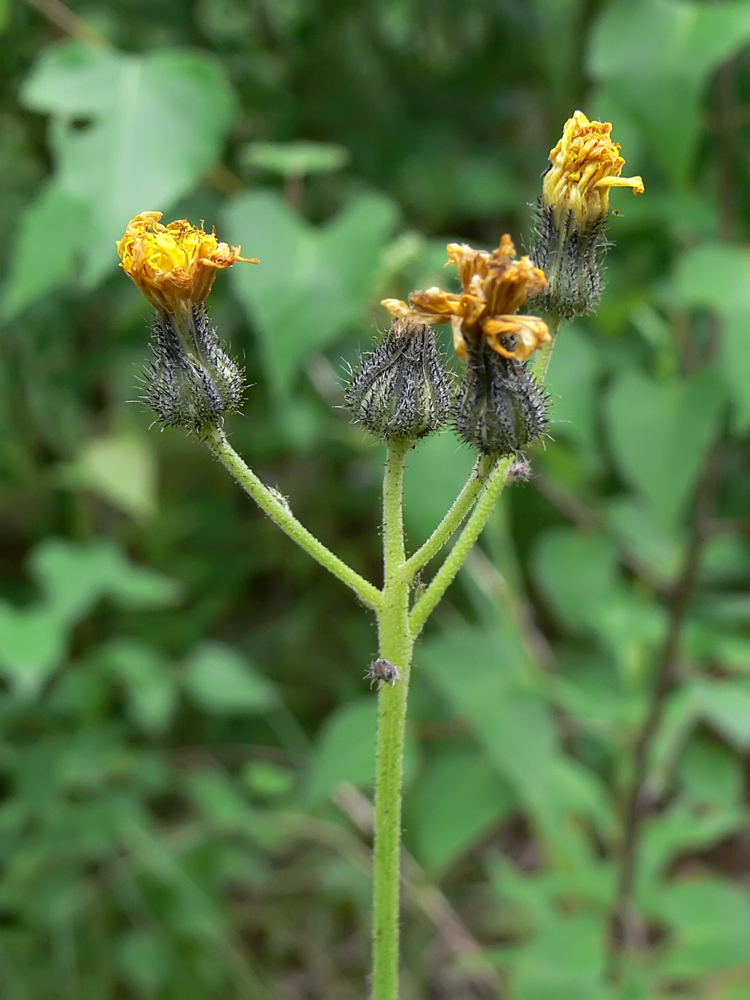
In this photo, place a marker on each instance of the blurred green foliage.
(185, 731)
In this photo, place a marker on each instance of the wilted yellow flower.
(495, 286)
(585, 165)
(175, 265)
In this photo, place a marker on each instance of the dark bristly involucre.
(501, 407)
(191, 388)
(402, 390)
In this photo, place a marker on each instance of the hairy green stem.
(544, 354)
(396, 644)
(455, 516)
(280, 513)
(457, 555)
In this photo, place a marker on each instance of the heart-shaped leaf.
(312, 283)
(660, 432)
(130, 133)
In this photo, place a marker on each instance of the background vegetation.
(185, 733)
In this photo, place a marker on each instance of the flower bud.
(402, 390)
(572, 213)
(501, 407)
(192, 382)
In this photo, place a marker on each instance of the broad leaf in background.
(656, 57)
(148, 682)
(660, 433)
(130, 133)
(572, 385)
(717, 276)
(578, 574)
(482, 676)
(457, 799)
(222, 682)
(345, 750)
(312, 283)
(33, 643)
(74, 577)
(295, 159)
(120, 468)
(435, 473)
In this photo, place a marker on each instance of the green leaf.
(657, 57)
(478, 673)
(458, 800)
(572, 385)
(726, 705)
(218, 799)
(710, 774)
(345, 750)
(710, 924)
(153, 124)
(223, 682)
(148, 681)
(121, 469)
(577, 573)
(74, 577)
(49, 241)
(295, 158)
(33, 643)
(311, 284)
(436, 470)
(563, 962)
(144, 961)
(632, 524)
(660, 433)
(716, 276)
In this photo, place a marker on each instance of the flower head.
(495, 286)
(175, 265)
(586, 164)
(402, 390)
(571, 215)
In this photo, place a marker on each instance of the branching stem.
(280, 513)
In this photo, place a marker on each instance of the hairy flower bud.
(501, 407)
(572, 213)
(192, 382)
(402, 390)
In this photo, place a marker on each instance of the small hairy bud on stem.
(192, 382)
(501, 407)
(402, 391)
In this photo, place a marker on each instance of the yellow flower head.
(585, 165)
(175, 265)
(495, 286)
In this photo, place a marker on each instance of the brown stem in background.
(627, 929)
(69, 22)
(726, 149)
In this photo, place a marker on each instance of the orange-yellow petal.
(585, 164)
(173, 265)
(529, 333)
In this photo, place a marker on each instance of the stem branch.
(280, 513)
(443, 578)
(455, 516)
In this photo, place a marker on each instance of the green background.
(186, 735)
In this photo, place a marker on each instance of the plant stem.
(396, 644)
(455, 516)
(280, 513)
(445, 575)
(544, 354)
